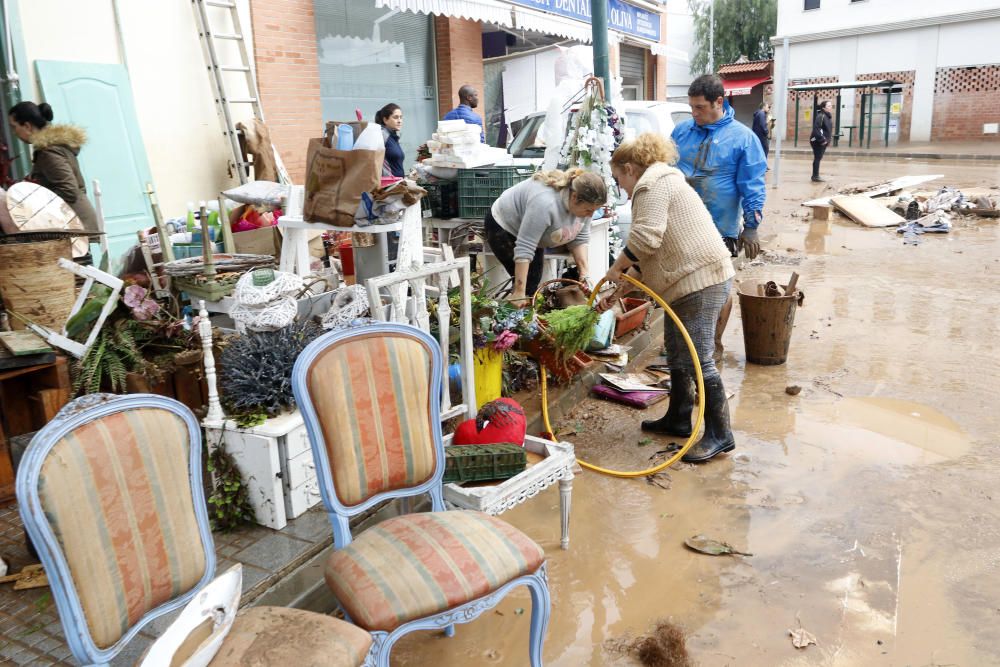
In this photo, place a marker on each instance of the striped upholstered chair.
(110, 492)
(370, 399)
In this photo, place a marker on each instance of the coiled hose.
(699, 380)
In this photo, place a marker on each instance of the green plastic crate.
(482, 463)
(479, 188)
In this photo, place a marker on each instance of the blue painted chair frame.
(74, 415)
(340, 514)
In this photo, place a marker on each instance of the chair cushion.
(417, 565)
(116, 492)
(372, 396)
(269, 636)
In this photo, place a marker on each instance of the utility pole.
(599, 28)
(781, 92)
(711, 36)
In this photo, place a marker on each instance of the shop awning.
(486, 11)
(743, 86)
(550, 24)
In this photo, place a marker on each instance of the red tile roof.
(742, 69)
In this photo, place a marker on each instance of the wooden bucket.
(767, 327)
(32, 285)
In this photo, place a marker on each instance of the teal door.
(98, 98)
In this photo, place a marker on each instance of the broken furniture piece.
(62, 339)
(408, 293)
(91, 276)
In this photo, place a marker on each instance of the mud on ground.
(869, 500)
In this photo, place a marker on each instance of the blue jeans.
(698, 312)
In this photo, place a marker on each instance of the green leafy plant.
(571, 329)
(116, 352)
(229, 503)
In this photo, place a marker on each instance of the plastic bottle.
(370, 139)
(190, 216)
(345, 137)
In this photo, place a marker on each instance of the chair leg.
(540, 609)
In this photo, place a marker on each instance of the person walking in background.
(820, 137)
(674, 248)
(468, 99)
(725, 164)
(390, 117)
(54, 163)
(550, 210)
(761, 127)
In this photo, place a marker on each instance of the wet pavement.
(869, 500)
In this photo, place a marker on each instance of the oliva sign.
(622, 16)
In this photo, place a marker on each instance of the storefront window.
(369, 57)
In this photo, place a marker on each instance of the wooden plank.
(821, 212)
(867, 212)
(8, 361)
(24, 342)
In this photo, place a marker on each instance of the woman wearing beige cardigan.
(675, 250)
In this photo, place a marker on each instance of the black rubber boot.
(718, 436)
(677, 421)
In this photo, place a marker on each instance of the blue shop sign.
(622, 16)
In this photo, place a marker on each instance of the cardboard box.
(262, 241)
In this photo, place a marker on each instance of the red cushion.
(498, 421)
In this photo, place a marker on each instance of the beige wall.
(174, 104)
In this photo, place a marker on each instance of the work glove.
(749, 242)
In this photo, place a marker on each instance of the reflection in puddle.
(897, 431)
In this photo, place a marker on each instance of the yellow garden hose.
(699, 380)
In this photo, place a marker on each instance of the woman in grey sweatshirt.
(550, 210)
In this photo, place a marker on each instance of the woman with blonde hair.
(550, 210)
(675, 250)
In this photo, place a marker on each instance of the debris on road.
(802, 638)
(793, 390)
(711, 547)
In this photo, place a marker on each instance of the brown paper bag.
(335, 181)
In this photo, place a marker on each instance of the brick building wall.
(964, 99)
(284, 38)
(805, 99)
(459, 47)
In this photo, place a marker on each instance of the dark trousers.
(765, 143)
(501, 242)
(818, 150)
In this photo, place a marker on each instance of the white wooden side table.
(557, 466)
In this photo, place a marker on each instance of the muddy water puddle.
(827, 551)
(867, 500)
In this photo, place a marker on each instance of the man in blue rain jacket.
(724, 162)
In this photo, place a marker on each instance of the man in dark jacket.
(760, 127)
(820, 137)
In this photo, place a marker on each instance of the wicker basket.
(30, 282)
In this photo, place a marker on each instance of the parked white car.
(639, 117)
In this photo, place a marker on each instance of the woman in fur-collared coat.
(55, 164)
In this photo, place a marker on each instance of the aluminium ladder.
(218, 76)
